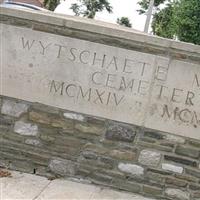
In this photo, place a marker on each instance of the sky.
(121, 8)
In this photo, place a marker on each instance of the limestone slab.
(108, 194)
(77, 75)
(24, 128)
(131, 168)
(175, 100)
(21, 186)
(173, 168)
(149, 157)
(12, 108)
(63, 189)
(32, 187)
(156, 92)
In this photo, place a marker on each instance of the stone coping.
(99, 27)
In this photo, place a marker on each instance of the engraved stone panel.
(119, 84)
(77, 75)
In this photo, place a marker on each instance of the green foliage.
(51, 4)
(179, 18)
(188, 21)
(144, 4)
(124, 21)
(89, 8)
(163, 22)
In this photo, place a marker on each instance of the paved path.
(24, 186)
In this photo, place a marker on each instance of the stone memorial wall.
(97, 101)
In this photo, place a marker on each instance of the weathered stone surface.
(95, 148)
(149, 157)
(181, 160)
(193, 186)
(37, 107)
(178, 194)
(175, 139)
(158, 178)
(127, 185)
(24, 128)
(153, 191)
(89, 155)
(154, 135)
(33, 142)
(53, 120)
(145, 145)
(131, 168)
(172, 168)
(6, 121)
(158, 171)
(188, 178)
(194, 143)
(187, 151)
(13, 108)
(74, 116)
(175, 182)
(65, 124)
(120, 133)
(193, 172)
(62, 166)
(92, 129)
(122, 155)
(40, 117)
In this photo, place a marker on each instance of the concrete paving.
(22, 186)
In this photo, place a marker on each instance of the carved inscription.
(77, 92)
(113, 73)
(133, 87)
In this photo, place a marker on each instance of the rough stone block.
(131, 168)
(172, 168)
(186, 178)
(187, 151)
(6, 121)
(154, 135)
(39, 117)
(193, 186)
(13, 108)
(122, 155)
(149, 157)
(89, 128)
(175, 182)
(74, 116)
(175, 139)
(65, 124)
(33, 142)
(193, 172)
(24, 128)
(194, 143)
(95, 148)
(62, 167)
(146, 145)
(181, 160)
(44, 108)
(153, 191)
(155, 177)
(120, 133)
(127, 185)
(178, 194)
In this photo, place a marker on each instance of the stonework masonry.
(128, 148)
(96, 150)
